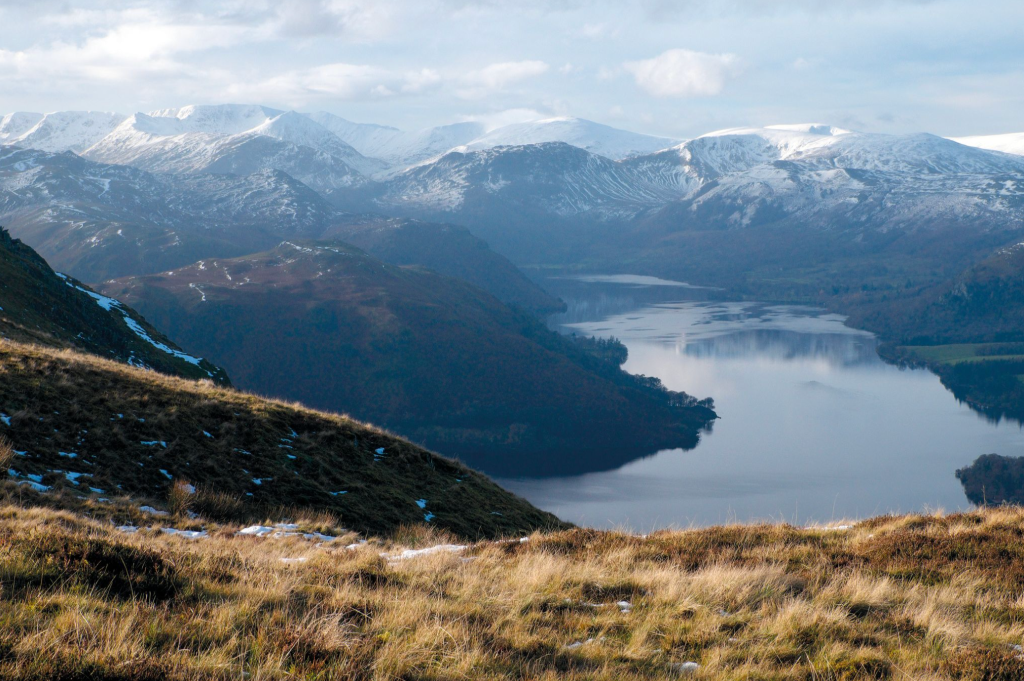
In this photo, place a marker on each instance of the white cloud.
(684, 73)
(498, 76)
(421, 81)
(358, 19)
(598, 31)
(334, 81)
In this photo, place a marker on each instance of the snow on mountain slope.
(914, 154)
(97, 221)
(304, 132)
(552, 177)
(421, 145)
(366, 138)
(217, 119)
(868, 182)
(594, 137)
(60, 131)
(729, 175)
(1009, 143)
(399, 148)
(690, 165)
(235, 139)
(16, 124)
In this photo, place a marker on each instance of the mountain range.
(531, 188)
(870, 224)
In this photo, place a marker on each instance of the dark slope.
(984, 303)
(447, 249)
(86, 426)
(40, 306)
(440, 361)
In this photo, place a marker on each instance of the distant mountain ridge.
(724, 208)
(234, 139)
(99, 221)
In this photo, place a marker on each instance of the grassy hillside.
(40, 306)
(433, 358)
(913, 597)
(89, 429)
(450, 250)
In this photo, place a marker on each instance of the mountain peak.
(596, 138)
(225, 119)
(811, 129)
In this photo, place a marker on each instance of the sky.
(676, 68)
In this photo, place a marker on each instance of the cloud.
(660, 10)
(361, 82)
(684, 73)
(496, 77)
(328, 81)
(141, 49)
(359, 19)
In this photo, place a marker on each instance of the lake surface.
(814, 427)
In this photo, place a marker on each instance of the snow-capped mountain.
(234, 139)
(594, 137)
(815, 177)
(565, 180)
(402, 149)
(98, 220)
(552, 177)
(1009, 143)
(15, 124)
(59, 131)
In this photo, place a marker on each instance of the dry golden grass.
(131, 432)
(910, 597)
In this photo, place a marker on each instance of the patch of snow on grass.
(416, 553)
(187, 534)
(282, 530)
(35, 485)
(152, 511)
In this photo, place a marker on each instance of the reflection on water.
(814, 426)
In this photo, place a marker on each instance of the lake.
(814, 426)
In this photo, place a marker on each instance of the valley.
(912, 237)
(814, 426)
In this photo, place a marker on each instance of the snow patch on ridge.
(110, 304)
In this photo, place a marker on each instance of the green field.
(960, 352)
